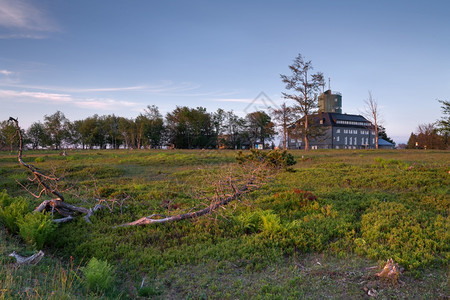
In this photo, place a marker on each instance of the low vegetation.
(323, 228)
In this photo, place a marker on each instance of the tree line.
(194, 128)
(432, 135)
(184, 128)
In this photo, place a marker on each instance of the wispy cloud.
(25, 96)
(65, 99)
(106, 104)
(5, 72)
(23, 20)
(239, 100)
(166, 88)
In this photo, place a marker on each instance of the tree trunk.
(305, 135)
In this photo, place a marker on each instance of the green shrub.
(411, 237)
(39, 159)
(271, 224)
(36, 229)
(99, 275)
(274, 158)
(249, 222)
(11, 210)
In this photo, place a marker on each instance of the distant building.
(330, 102)
(383, 144)
(337, 130)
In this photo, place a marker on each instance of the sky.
(103, 57)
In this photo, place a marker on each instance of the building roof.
(337, 119)
(383, 142)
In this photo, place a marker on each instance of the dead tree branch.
(31, 260)
(42, 179)
(156, 218)
(48, 185)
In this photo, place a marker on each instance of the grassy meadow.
(320, 230)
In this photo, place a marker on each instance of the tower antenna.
(329, 84)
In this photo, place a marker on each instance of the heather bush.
(412, 237)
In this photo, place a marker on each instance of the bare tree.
(306, 87)
(284, 116)
(372, 113)
(48, 184)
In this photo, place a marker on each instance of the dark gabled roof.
(337, 119)
(346, 117)
(383, 142)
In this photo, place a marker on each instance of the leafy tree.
(73, 136)
(412, 141)
(155, 129)
(54, 125)
(260, 127)
(284, 116)
(37, 136)
(382, 134)
(8, 136)
(127, 129)
(428, 137)
(141, 124)
(444, 123)
(233, 133)
(114, 138)
(305, 87)
(190, 128)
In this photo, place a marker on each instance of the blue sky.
(104, 57)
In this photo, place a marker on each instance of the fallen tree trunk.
(152, 219)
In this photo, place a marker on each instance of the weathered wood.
(38, 175)
(152, 219)
(58, 204)
(31, 260)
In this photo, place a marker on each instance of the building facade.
(335, 129)
(339, 131)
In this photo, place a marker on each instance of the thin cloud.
(239, 100)
(25, 96)
(105, 104)
(24, 20)
(5, 72)
(65, 99)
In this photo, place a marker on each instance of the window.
(350, 140)
(337, 147)
(355, 141)
(338, 130)
(367, 141)
(337, 139)
(373, 141)
(345, 140)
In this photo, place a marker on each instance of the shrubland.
(315, 229)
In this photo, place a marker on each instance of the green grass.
(311, 232)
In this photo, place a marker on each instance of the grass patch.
(347, 210)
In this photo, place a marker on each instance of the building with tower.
(331, 129)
